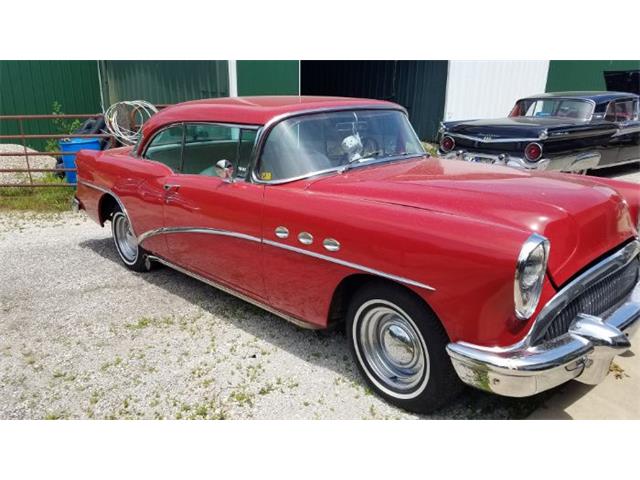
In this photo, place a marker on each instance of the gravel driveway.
(83, 337)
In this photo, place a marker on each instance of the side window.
(166, 147)
(207, 144)
(621, 111)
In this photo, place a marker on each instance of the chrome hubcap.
(393, 348)
(126, 240)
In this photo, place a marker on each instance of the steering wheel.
(369, 146)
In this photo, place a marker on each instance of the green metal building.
(431, 90)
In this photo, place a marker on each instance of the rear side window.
(207, 144)
(166, 147)
(622, 111)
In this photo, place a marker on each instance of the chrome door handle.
(170, 187)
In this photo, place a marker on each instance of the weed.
(140, 324)
(242, 397)
(268, 388)
(95, 396)
(55, 416)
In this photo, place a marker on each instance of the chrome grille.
(595, 300)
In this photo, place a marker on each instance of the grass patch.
(145, 322)
(431, 148)
(55, 416)
(39, 199)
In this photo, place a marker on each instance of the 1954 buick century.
(327, 211)
(567, 131)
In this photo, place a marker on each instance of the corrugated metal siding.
(488, 89)
(31, 87)
(567, 75)
(268, 77)
(161, 82)
(419, 86)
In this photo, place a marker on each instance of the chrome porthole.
(391, 349)
(305, 238)
(125, 240)
(331, 244)
(282, 232)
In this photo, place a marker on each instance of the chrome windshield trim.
(344, 263)
(205, 231)
(235, 293)
(115, 196)
(263, 134)
(341, 169)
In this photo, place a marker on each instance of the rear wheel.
(131, 254)
(399, 347)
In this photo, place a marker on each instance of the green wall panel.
(567, 75)
(162, 82)
(267, 77)
(32, 86)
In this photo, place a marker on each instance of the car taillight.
(533, 152)
(447, 144)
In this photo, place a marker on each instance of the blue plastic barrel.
(74, 145)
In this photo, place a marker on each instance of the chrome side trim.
(344, 263)
(116, 197)
(242, 236)
(235, 293)
(488, 139)
(206, 231)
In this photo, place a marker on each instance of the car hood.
(520, 127)
(582, 219)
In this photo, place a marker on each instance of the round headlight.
(530, 271)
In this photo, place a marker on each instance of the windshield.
(313, 143)
(553, 107)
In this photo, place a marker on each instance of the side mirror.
(224, 169)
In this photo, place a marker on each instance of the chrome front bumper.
(569, 163)
(584, 353)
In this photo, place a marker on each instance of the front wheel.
(399, 347)
(131, 254)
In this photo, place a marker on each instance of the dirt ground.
(83, 337)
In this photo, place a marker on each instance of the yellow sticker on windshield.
(265, 175)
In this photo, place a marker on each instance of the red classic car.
(327, 211)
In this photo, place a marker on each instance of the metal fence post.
(26, 153)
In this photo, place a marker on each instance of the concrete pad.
(617, 398)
